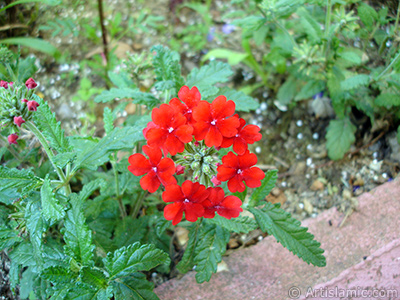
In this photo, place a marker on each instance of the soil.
(293, 139)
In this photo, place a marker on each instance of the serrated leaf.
(134, 258)
(267, 184)
(93, 277)
(352, 57)
(8, 237)
(240, 224)
(59, 292)
(83, 292)
(354, 82)
(62, 159)
(209, 249)
(16, 183)
(367, 14)
(186, 263)
(134, 286)
(23, 255)
(137, 96)
(311, 27)
(118, 139)
(242, 101)
(36, 226)
(339, 138)
(77, 235)
(167, 68)
(108, 119)
(310, 89)
(387, 100)
(89, 188)
(208, 75)
(58, 275)
(47, 123)
(51, 209)
(289, 233)
(233, 57)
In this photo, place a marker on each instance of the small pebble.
(375, 155)
(309, 147)
(315, 136)
(309, 161)
(258, 111)
(258, 149)
(300, 136)
(301, 205)
(299, 123)
(308, 176)
(283, 184)
(263, 106)
(384, 175)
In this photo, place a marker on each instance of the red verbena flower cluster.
(192, 131)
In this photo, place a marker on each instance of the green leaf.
(51, 129)
(58, 275)
(240, 224)
(398, 134)
(208, 75)
(23, 255)
(121, 79)
(108, 119)
(134, 258)
(93, 277)
(16, 183)
(242, 101)
(367, 14)
(128, 231)
(310, 89)
(310, 26)
(89, 188)
(287, 91)
(36, 226)
(387, 100)
(354, 82)
(118, 139)
(33, 43)
(8, 237)
(186, 263)
(352, 57)
(137, 96)
(289, 233)
(339, 138)
(47, 2)
(134, 286)
(233, 57)
(167, 68)
(51, 209)
(77, 235)
(210, 247)
(62, 159)
(267, 184)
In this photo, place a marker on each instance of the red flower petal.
(236, 184)
(213, 137)
(150, 182)
(191, 97)
(184, 133)
(156, 136)
(193, 211)
(230, 207)
(222, 108)
(162, 116)
(202, 112)
(228, 127)
(240, 146)
(174, 212)
(153, 153)
(139, 165)
(174, 145)
(225, 173)
(200, 130)
(173, 193)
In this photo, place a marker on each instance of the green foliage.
(340, 136)
(207, 76)
(388, 100)
(123, 93)
(289, 233)
(51, 129)
(267, 184)
(243, 102)
(355, 82)
(239, 225)
(51, 209)
(209, 249)
(108, 119)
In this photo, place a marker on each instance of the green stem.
(388, 67)
(32, 127)
(138, 204)
(327, 27)
(116, 178)
(396, 24)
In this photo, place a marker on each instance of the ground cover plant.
(91, 213)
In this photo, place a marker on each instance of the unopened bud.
(180, 170)
(18, 121)
(12, 139)
(30, 83)
(32, 105)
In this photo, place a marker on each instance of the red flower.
(32, 105)
(160, 171)
(24, 100)
(12, 139)
(188, 199)
(18, 121)
(4, 84)
(213, 122)
(245, 135)
(237, 169)
(170, 131)
(227, 207)
(30, 84)
(190, 98)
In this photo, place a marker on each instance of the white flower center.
(170, 129)
(189, 111)
(239, 171)
(213, 122)
(155, 169)
(186, 200)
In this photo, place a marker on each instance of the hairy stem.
(389, 66)
(32, 127)
(116, 178)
